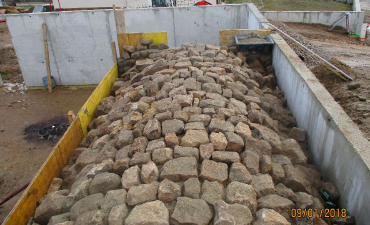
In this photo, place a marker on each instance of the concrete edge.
(257, 13)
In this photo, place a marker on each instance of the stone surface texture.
(196, 134)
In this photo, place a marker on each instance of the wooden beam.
(114, 51)
(71, 116)
(47, 60)
(119, 18)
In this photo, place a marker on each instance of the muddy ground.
(21, 151)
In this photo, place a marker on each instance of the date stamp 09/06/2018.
(322, 213)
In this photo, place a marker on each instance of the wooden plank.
(114, 52)
(71, 116)
(47, 60)
(86, 113)
(227, 36)
(58, 158)
(157, 37)
(119, 18)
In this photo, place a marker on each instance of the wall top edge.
(311, 11)
(109, 10)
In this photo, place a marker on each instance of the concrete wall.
(68, 4)
(188, 24)
(338, 147)
(79, 41)
(79, 45)
(356, 6)
(325, 18)
(255, 18)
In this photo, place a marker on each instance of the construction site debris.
(354, 85)
(53, 131)
(189, 136)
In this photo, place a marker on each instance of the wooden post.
(47, 60)
(71, 116)
(114, 52)
(119, 17)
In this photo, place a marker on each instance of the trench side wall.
(338, 147)
(322, 17)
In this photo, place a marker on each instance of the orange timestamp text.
(325, 213)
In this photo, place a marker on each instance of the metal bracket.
(346, 16)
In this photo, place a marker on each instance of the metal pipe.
(317, 56)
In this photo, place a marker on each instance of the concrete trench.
(196, 134)
(337, 146)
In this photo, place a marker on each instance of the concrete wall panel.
(79, 46)
(338, 147)
(202, 24)
(70, 4)
(79, 41)
(325, 18)
(151, 20)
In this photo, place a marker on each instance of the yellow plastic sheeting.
(86, 113)
(227, 36)
(157, 37)
(133, 39)
(58, 158)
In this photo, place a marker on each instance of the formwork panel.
(157, 37)
(86, 113)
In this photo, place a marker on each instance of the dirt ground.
(352, 57)
(23, 113)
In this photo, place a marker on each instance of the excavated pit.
(196, 134)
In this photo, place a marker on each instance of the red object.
(12, 195)
(203, 2)
(2, 21)
(60, 8)
(15, 193)
(51, 8)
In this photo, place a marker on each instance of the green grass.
(297, 5)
